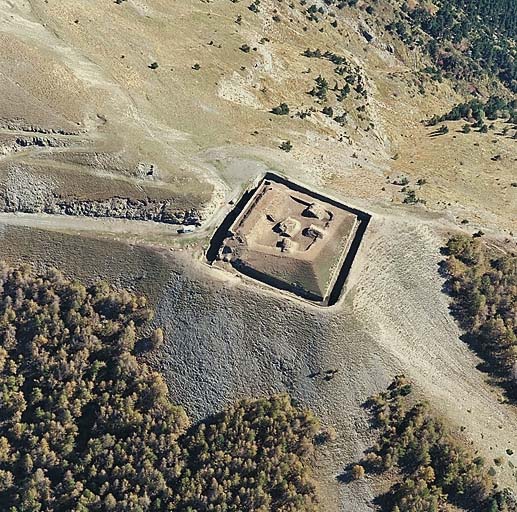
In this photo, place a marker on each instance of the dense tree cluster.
(84, 425)
(484, 290)
(251, 457)
(466, 39)
(500, 15)
(477, 111)
(436, 471)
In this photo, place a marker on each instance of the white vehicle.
(186, 229)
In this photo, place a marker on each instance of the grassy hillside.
(183, 104)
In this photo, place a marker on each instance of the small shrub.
(281, 110)
(255, 6)
(156, 339)
(286, 146)
(411, 197)
(358, 472)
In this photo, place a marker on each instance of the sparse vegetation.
(255, 6)
(156, 338)
(321, 88)
(349, 76)
(411, 197)
(328, 111)
(401, 182)
(443, 130)
(358, 472)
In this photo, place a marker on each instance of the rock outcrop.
(115, 207)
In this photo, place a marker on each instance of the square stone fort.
(291, 239)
